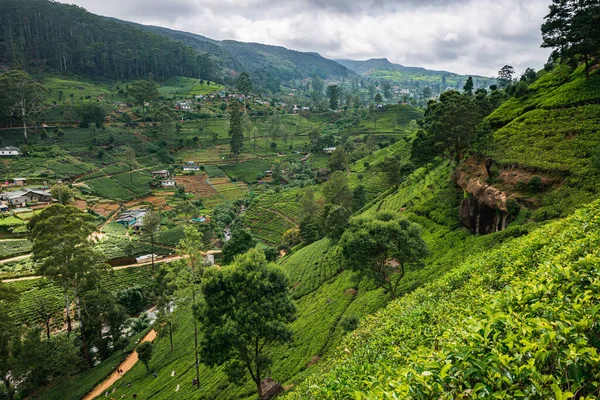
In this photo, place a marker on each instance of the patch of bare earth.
(196, 184)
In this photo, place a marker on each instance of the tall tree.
(381, 248)
(423, 150)
(572, 28)
(451, 121)
(144, 91)
(190, 247)
(391, 166)
(236, 141)
(144, 351)
(65, 253)
(317, 89)
(25, 97)
(244, 84)
(150, 226)
(333, 93)
(387, 91)
(378, 99)
(468, 87)
(246, 309)
(505, 76)
(338, 160)
(336, 190)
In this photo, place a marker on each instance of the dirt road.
(125, 366)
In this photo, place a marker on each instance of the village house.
(160, 174)
(19, 181)
(191, 166)
(21, 197)
(9, 151)
(168, 183)
(132, 217)
(329, 150)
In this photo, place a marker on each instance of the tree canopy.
(381, 248)
(245, 309)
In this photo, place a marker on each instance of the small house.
(168, 183)
(132, 217)
(191, 166)
(160, 174)
(20, 181)
(9, 151)
(3, 208)
(23, 196)
(329, 150)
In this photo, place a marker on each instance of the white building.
(168, 183)
(9, 151)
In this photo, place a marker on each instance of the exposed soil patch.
(105, 209)
(155, 200)
(197, 184)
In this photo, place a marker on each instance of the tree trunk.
(25, 130)
(84, 343)
(196, 343)
(152, 247)
(69, 327)
(47, 323)
(258, 380)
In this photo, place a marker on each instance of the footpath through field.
(125, 366)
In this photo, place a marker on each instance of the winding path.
(125, 366)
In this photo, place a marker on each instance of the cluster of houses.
(165, 176)
(183, 105)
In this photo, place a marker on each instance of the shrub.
(535, 184)
(349, 323)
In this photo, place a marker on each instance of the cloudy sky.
(463, 36)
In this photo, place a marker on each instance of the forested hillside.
(40, 35)
(266, 63)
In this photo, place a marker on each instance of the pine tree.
(235, 130)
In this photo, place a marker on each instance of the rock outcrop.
(484, 211)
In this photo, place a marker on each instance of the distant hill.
(382, 68)
(264, 62)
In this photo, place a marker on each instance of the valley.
(230, 220)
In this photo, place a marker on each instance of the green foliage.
(381, 248)
(449, 337)
(144, 351)
(111, 50)
(338, 160)
(91, 113)
(245, 310)
(241, 241)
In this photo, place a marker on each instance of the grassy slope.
(474, 314)
(554, 131)
(500, 323)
